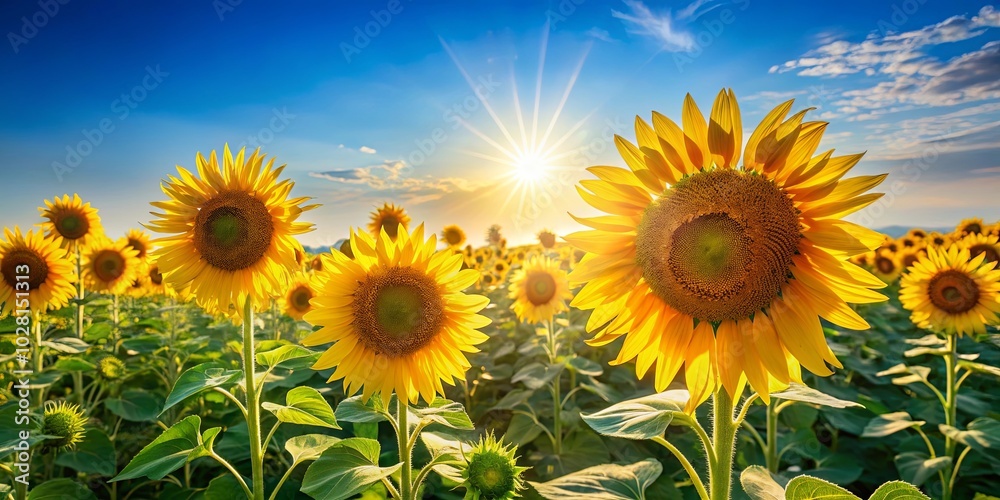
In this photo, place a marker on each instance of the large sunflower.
(540, 290)
(951, 293)
(71, 221)
(296, 301)
(389, 217)
(37, 265)
(231, 231)
(724, 268)
(396, 315)
(110, 266)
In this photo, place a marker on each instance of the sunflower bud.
(491, 471)
(110, 368)
(64, 423)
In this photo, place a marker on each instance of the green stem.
(239, 478)
(693, 474)
(115, 334)
(724, 440)
(403, 441)
(36, 353)
(556, 388)
(253, 402)
(771, 453)
(78, 376)
(950, 411)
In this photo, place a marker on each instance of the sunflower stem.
(723, 441)
(253, 402)
(36, 353)
(950, 412)
(405, 453)
(78, 376)
(556, 387)
(771, 453)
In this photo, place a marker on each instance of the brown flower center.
(885, 265)
(547, 239)
(953, 292)
(155, 276)
(390, 223)
(986, 248)
(397, 311)
(37, 269)
(539, 287)
(108, 265)
(719, 244)
(973, 228)
(453, 237)
(138, 246)
(300, 298)
(70, 223)
(233, 230)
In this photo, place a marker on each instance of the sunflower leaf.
(309, 446)
(890, 423)
(759, 484)
(197, 379)
(167, 453)
(447, 413)
(804, 394)
(275, 357)
(354, 410)
(980, 368)
(642, 418)
(61, 489)
(345, 469)
(915, 467)
(305, 406)
(983, 434)
(898, 490)
(608, 482)
(809, 488)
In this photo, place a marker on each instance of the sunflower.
(937, 240)
(231, 232)
(724, 268)
(154, 282)
(950, 292)
(982, 244)
(139, 240)
(296, 301)
(490, 471)
(488, 280)
(140, 283)
(110, 266)
(907, 242)
(70, 221)
(547, 238)
(863, 259)
(973, 225)
(540, 290)
(908, 256)
(389, 217)
(494, 234)
(886, 266)
(397, 316)
(453, 236)
(37, 265)
(500, 268)
(917, 233)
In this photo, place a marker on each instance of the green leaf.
(447, 413)
(584, 366)
(67, 345)
(309, 446)
(916, 374)
(898, 490)
(642, 418)
(808, 488)
(760, 485)
(980, 368)
(135, 405)
(982, 435)
(275, 357)
(197, 379)
(537, 375)
(916, 467)
(143, 344)
(94, 455)
(167, 453)
(74, 364)
(224, 487)
(207, 442)
(890, 423)
(61, 489)
(345, 469)
(306, 406)
(930, 340)
(522, 430)
(354, 410)
(97, 331)
(607, 482)
(805, 394)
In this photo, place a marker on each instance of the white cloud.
(395, 176)
(599, 34)
(661, 27)
(366, 149)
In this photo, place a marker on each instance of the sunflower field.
(717, 331)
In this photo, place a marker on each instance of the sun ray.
(565, 96)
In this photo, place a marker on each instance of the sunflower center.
(398, 311)
(492, 474)
(884, 264)
(108, 265)
(719, 244)
(155, 276)
(72, 225)
(38, 269)
(233, 230)
(391, 225)
(973, 228)
(910, 259)
(953, 292)
(452, 237)
(301, 297)
(137, 246)
(989, 250)
(540, 288)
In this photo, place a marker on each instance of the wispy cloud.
(599, 34)
(366, 149)
(392, 176)
(664, 27)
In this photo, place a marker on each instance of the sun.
(531, 168)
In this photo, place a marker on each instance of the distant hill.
(897, 231)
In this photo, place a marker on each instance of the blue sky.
(403, 101)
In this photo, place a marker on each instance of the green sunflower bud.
(64, 422)
(491, 471)
(110, 368)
